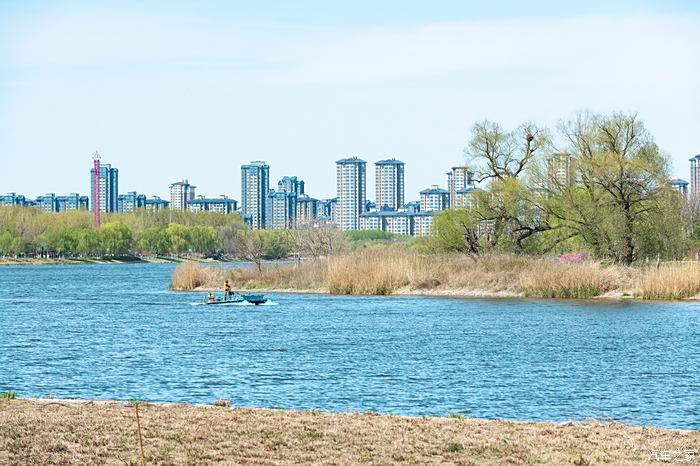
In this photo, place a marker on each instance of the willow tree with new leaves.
(506, 214)
(616, 203)
(623, 205)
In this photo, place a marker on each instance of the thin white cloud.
(138, 86)
(589, 45)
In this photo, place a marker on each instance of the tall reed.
(386, 269)
(673, 281)
(377, 271)
(189, 276)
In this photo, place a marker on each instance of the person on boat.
(211, 297)
(227, 289)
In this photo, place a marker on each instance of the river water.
(116, 332)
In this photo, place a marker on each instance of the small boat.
(234, 298)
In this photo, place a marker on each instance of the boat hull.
(238, 298)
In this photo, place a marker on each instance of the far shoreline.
(457, 294)
(108, 261)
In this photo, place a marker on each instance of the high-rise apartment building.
(458, 178)
(281, 210)
(434, 199)
(327, 211)
(389, 184)
(695, 177)
(130, 201)
(108, 186)
(352, 192)
(255, 187)
(180, 193)
(290, 184)
(307, 210)
(561, 171)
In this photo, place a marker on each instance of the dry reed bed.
(57, 432)
(676, 281)
(189, 276)
(386, 270)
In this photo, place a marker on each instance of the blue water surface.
(116, 332)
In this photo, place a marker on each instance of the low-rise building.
(156, 203)
(13, 199)
(52, 203)
(220, 205)
(47, 203)
(434, 199)
(422, 223)
(130, 201)
(400, 222)
(74, 201)
(680, 185)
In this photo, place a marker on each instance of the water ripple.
(512, 359)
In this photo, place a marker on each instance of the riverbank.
(100, 260)
(73, 432)
(385, 271)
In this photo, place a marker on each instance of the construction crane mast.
(96, 191)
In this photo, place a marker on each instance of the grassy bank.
(387, 270)
(60, 432)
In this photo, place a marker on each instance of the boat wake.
(240, 303)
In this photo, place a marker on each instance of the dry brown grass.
(675, 281)
(547, 279)
(191, 275)
(304, 276)
(388, 270)
(56, 432)
(359, 273)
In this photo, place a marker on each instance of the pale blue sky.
(171, 90)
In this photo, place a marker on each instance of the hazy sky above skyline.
(171, 90)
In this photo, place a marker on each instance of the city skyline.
(198, 91)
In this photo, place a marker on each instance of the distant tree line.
(27, 231)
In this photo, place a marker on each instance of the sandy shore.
(70, 432)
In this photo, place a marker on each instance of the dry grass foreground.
(58, 432)
(381, 271)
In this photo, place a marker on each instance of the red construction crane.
(96, 191)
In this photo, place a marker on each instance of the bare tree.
(247, 245)
(319, 241)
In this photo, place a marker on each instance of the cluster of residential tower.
(289, 206)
